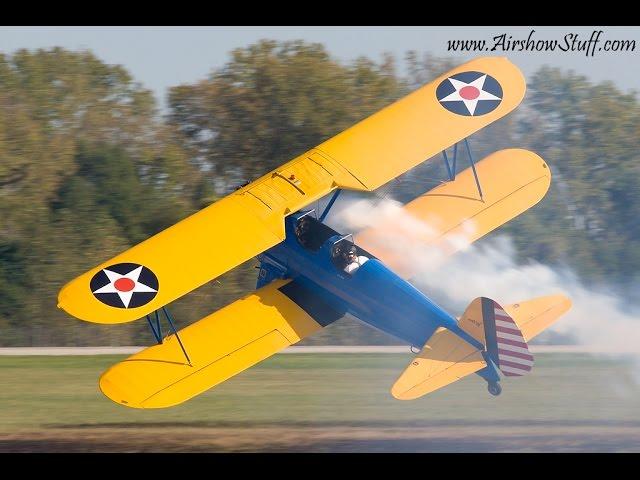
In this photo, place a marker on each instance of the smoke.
(599, 319)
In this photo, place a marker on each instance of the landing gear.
(494, 388)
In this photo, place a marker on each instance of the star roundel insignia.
(125, 285)
(469, 93)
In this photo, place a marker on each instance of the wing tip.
(558, 301)
(70, 299)
(564, 303)
(400, 394)
(114, 392)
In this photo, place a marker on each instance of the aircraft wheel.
(494, 389)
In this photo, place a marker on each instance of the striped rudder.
(505, 341)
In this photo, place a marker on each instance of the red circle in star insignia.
(124, 284)
(469, 92)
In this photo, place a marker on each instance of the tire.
(494, 388)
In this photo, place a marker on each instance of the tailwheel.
(494, 388)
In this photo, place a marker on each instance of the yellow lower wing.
(452, 215)
(219, 346)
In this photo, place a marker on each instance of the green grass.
(323, 390)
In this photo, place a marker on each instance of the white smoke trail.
(598, 319)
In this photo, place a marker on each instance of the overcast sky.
(160, 57)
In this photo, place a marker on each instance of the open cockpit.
(312, 234)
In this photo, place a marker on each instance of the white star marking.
(133, 275)
(470, 104)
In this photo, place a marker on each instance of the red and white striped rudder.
(514, 358)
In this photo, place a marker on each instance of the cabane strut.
(334, 197)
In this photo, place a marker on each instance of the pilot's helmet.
(302, 226)
(350, 252)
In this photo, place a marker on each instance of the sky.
(161, 57)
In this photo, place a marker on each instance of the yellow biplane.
(310, 275)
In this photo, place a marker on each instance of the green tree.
(272, 102)
(86, 169)
(589, 135)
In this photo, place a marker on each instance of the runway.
(128, 350)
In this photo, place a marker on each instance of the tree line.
(89, 166)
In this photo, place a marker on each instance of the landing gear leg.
(494, 388)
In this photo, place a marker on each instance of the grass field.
(326, 402)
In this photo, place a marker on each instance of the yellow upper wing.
(418, 126)
(206, 244)
(250, 220)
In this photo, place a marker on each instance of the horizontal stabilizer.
(535, 315)
(444, 359)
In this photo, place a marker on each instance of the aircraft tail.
(503, 333)
(486, 321)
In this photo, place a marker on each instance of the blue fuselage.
(373, 293)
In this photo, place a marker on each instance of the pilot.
(352, 260)
(302, 231)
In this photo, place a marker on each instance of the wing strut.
(473, 167)
(168, 315)
(451, 169)
(157, 330)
